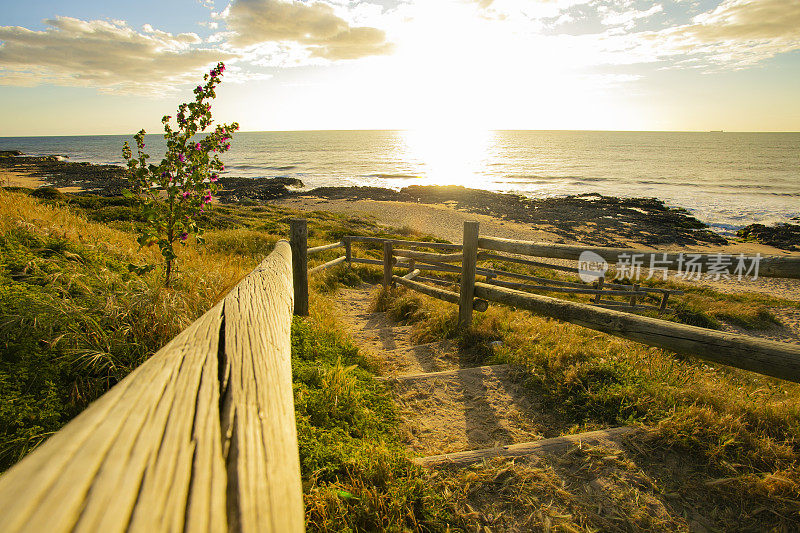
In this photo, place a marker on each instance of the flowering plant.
(173, 193)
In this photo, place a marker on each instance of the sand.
(13, 178)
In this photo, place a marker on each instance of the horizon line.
(418, 129)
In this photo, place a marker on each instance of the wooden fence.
(201, 437)
(602, 313)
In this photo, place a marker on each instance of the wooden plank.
(600, 282)
(324, 247)
(348, 251)
(496, 273)
(365, 261)
(539, 448)
(769, 266)
(298, 228)
(568, 290)
(777, 359)
(153, 440)
(413, 274)
(258, 420)
(422, 244)
(441, 294)
(627, 307)
(486, 369)
(429, 256)
(488, 255)
(388, 263)
(332, 262)
(468, 266)
(437, 281)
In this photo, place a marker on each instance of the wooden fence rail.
(200, 437)
(769, 266)
(766, 357)
(778, 359)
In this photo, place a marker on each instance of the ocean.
(727, 180)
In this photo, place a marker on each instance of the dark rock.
(254, 190)
(10, 153)
(590, 218)
(784, 236)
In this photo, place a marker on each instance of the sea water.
(726, 179)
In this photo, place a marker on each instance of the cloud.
(737, 33)
(315, 25)
(105, 54)
(628, 18)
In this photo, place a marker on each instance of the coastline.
(592, 220)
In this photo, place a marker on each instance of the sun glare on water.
(449, 156)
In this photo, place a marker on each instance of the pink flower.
(199, 89)
(182, 158)
(186, 194)
(184, 236)
(214, 178)
(197, 147)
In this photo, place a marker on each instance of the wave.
(394, 176)
(244, 166)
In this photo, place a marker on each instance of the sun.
(448, 155)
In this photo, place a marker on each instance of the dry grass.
(724, 441)
(74, 320)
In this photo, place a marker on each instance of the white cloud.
(737, 33)
(108, 55)
(629, 17)
(314, 25)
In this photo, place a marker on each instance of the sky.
(111, 67)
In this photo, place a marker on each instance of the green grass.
(356, 473)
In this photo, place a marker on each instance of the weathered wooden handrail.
(323, 266)
(777, 359)
(567, 290)
(200, 437)
(769, 265)
(380, 240)
(488, 255)
(429, 256)
(324, 247)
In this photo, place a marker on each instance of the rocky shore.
(601, 220)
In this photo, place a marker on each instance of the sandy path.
(464, 408)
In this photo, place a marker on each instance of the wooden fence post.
(468, 266)
(348, 253)
(387, 264)
(299, 242)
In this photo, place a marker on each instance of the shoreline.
(589, 218)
